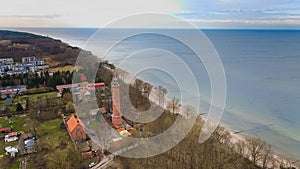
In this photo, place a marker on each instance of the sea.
(262, 70)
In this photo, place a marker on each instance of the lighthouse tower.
(116, 115)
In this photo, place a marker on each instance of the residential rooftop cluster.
(29, 64)
(9, 137)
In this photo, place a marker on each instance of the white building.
(28, 59)
(29, 64)
(11, 151)
(6, 61)
(5, 65)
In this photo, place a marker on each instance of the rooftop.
(72, 123)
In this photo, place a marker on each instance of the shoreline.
(280, 159)
(237, 137)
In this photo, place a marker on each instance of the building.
(11, 151)
(12, 134)
(93, 113)
(6, 61)
(29, 64)
(79, 90)
(75, 129)
(29, 143)
(28, 59)
(93, 86)
(8, 90)
(5, 130)
(32, 64)
(5, 65)
(116, 115)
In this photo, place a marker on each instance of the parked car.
(10, 139)
(92, 164)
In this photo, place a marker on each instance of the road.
(106, 160)
(22, 151)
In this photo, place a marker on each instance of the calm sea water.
(262, 70)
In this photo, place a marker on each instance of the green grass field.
(17, 122)
(51, 129)
(51, 132)
(17, 125)
(34, 97)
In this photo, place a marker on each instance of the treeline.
(35, 80)
(47, 79)
(36, 45)
(217, 152)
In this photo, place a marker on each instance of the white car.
(92, 164)
(10, 139)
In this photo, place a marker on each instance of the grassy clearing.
(2, 146)
(51, 128)
(34, 97)
(17, 122)
(17, 125)
(65, 68)
(51, 131)
(2, 102)
(15, 165)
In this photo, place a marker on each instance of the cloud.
(239, 13)
(99, 13)
(31, 16)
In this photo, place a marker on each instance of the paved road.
(22, 151)
(106, 160)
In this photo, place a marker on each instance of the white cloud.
(82, 12)
(98, 13)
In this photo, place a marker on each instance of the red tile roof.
(12, 134)
(5, 129)
(83, 77)
(72, 123)
(66, 86)
(96, 84)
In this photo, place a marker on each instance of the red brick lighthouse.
(116, 115)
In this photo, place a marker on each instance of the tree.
(67, 97)
(161, 95)
(267, 156)
(19, 107)
(32, 126)
(70, 107)
(174, 105)
(57, 159)
(255, 147)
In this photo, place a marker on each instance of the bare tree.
(255, 147)
(121, 74)
(267, 156)
(174, 105)
(161, 95)
(32, 125)
(241, 148)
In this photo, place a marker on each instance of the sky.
(248, 14)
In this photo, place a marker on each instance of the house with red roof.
(75, 129)
(12, 134)
(5, 130)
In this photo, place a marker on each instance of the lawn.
(51, 128)
(31, 97)
(51, 131)
(17, 122)
(2, 103)
(65, 68)
(17, 125)
(34, 97)
(15, 165)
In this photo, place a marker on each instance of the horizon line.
(270, 29)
